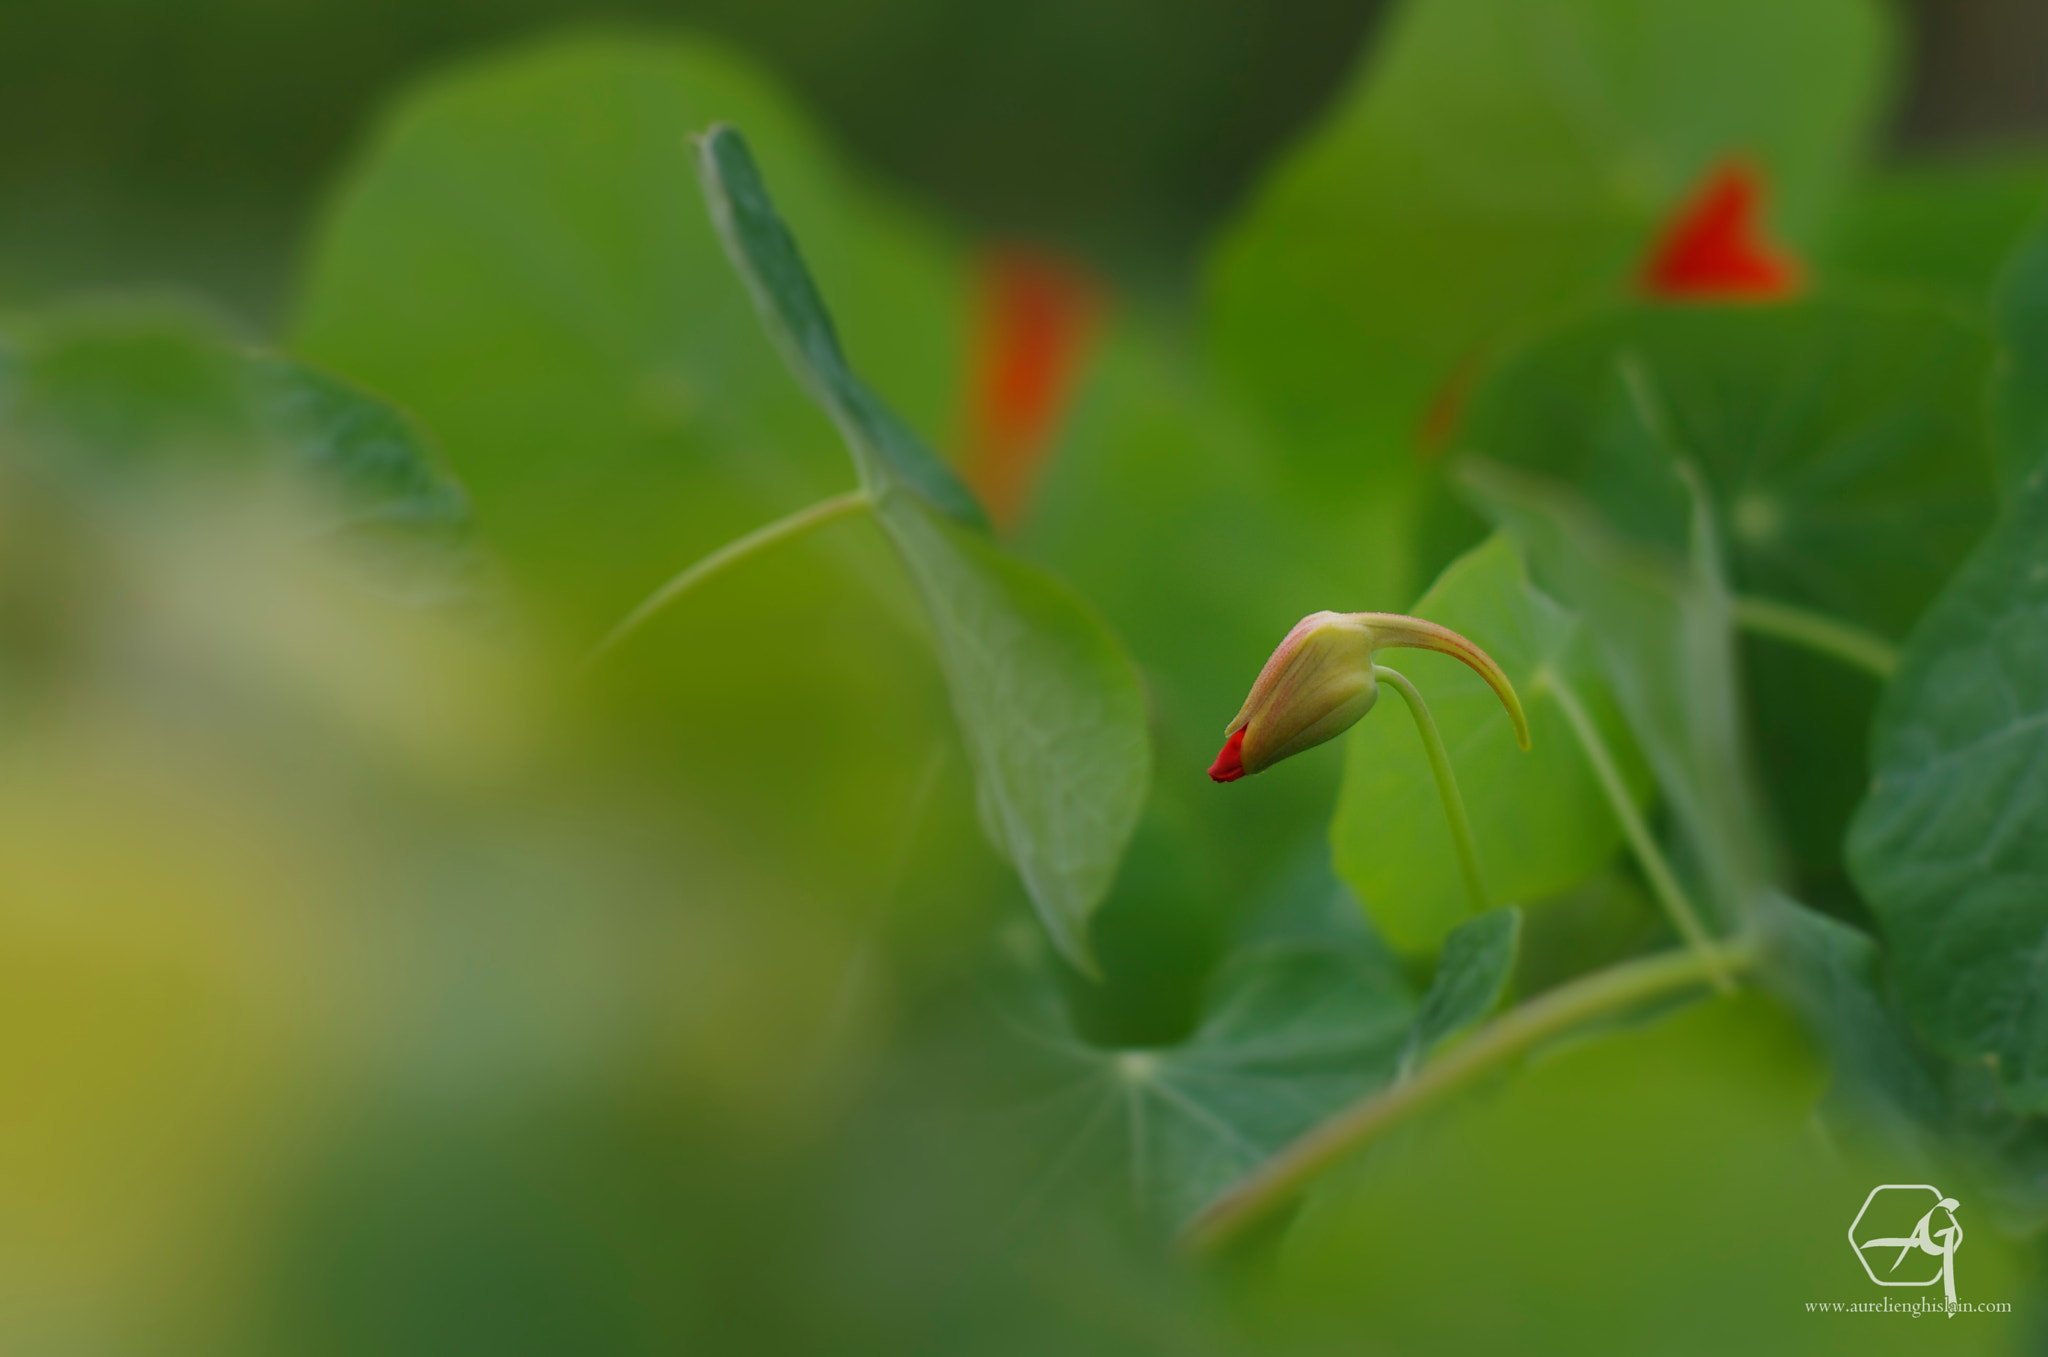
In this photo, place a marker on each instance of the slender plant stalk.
(1280, 1179)
(1446, 785)
(1819, 633)
(1677, 905)
(760, 539)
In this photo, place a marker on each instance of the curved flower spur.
(1323, 678)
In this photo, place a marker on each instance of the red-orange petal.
(1715, 249)
(1229, 765)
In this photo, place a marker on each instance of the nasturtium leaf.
(1660, 1159)
(521, 258)
(1950, 847)
(1049, 705)
(1495, 162)
(133, 387)
(1540, 819)
(1840, 439)
(1292, 1029)
(1948, 225)
(2019, 392)
(1472, 974)
(1842, 448)
(129, 393)
(394, 505)
(1660, 626)
(1829, 974)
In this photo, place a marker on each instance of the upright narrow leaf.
(1049, 705)
(1951, 845)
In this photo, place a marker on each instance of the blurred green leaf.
(1841, 442)
(1660, 627)
(1540, 819)
(1292, 1028)
(396, 507)
(1945, 225)
(1472, 974)
(136, 395)
(2019, 390)
(1050, 706)
(1831, 975)
(1498, 161)
(1951, 844)
(522, 260)
(1661, 1160)
(139, 388)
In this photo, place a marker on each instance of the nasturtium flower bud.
(1320, 681)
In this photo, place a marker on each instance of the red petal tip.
(1229, 765)
(1715, 248)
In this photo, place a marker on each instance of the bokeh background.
(152, 142)
(370, 985)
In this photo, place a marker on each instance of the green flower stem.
(1819, 633)
(1612, 990)
(1663, 881)
(760, 539)
(1446, 785)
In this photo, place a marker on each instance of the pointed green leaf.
(1049, 705)
(1951, 845)
(1472, 975)
(761, 247)
(1540, 819)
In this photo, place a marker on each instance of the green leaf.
(885, 451)
(1840, 440)
(2019, 393)
(396, 507)
(1292, 1029)
(1951, 845)
(127, 393)
(522, 260)
(1495, 163)
(1842, 448)
(1830, 975)
(1472, 974)
(1539, 818)
(1946, 225)
(1660, 626)
(1050, 706)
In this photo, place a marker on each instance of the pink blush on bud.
(1229, 765)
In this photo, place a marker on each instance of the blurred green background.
(410, 996)
(144, 141)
